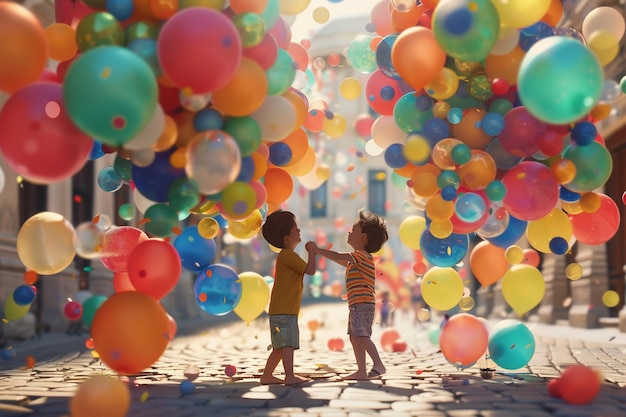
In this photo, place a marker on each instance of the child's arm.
(342, 258)
(310, 265)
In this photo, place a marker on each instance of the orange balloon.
(245, 92)
(424, 179)
(416, 47)
(406, 171)
(278, 184)
(61, 41)
(299, 105)
(130, 331)
(488, 263)
(468, 130)
(403, 20)
(143, 12)
(23, 47)
(185, 128)
(260, 165)
(298, 142)
(478, 172)
(463, 339)
(388, 337)
(438, 209)
(168, 136)
(314, 121)
(163, 9)
(101, 396)
(305, 165)
(505, 66)
(554, 13)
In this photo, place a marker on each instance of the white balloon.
(507, 40)
(150, 133)
(606, 19)
(372, 148)
(276, 118)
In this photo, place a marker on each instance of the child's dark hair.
(374, 227)
(277, 226)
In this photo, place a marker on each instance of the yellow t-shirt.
(288, 283)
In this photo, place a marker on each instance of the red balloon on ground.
(579, 384)
(335, 344)
(388, 337)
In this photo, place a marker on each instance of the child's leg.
(290, 377)
(359, 348)
(378, 368)
(272, 361)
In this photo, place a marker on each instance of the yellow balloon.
(350, 88)
(247, 228)
(416, 148)
(441, 230)
(292, 7)
(45, 243)
(14, 311)
(444, 86)
(604, 45)
(442, 288)
(523, 288)
(336, 126)
(610, 298)
(208, 227)
(255, 294)
(520, 13)
(514, 254)
(410, 231)
(555, 224)
(574, 271)
(321, 15)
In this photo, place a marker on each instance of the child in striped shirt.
(367, 236)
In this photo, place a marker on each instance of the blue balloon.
(455, 115)
(558, 245)
(514, 231)
(470, 207)
(280, 154)
(154, 180)
(528, 36)
(196, 252)
(186, 387)
(383, 56)
(584, 133)
(96, 151)
(394, 156)
(8, 353)
(120, 9)
(208, 119)
(23, 295)
(436, 129)
(445, 252)
(247, 169)
(217, 289)
(568, 196)
(492, 124)
(511, 344)
(109, 180)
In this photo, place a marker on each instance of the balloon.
(442, 288)
(218, 289)
(37, 138)
(604, 19)
(161, 219)
(560, 80)
(238, 200)
(360, 54)
(523, 288)
(247, 228)
(98, 29)
(541, 231)
(196, 252)
(61, 39)
(24, 295)
(278, 184)
(488, 263)
(532, 192)
(121, 282)
(119, 242)
(91, 306)
(255, 295)
(597, 227)
(116, 107)
(183, 54)
(37, 251)
(410, 231)
(521, 13)
(129, 331)
(23, 47)
(579, 384)
(466, 32)
(335, 344)
(154, 267)
(388, 337)
(14, 311)
(593, 166)
(511, 344)
(276, 118)
(244, 93)
(417, 47)
(72, 310)
(445, 252)
(101, 396)
(281, 74)
(463, 339)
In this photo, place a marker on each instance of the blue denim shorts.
(284, 331)
(361, 319)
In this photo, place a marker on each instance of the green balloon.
(163, 218)
(110, 94)
(466, 29)
(479, 87)
(251, 28)
(560, 80)
(271, 13)
(281, 74)
(123, 168)
(90, 307)
(500, 106)
(411, 111)
(361, 56)
(97, 29)
(246, 132)
(593, 166)
(141, 30)
(183, 194)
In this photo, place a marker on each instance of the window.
(319, 201)
(377, 193)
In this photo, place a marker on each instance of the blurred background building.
(357, 177)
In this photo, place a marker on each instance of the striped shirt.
(361, 278)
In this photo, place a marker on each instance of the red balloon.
(265, 53)
(382, 93)
(199, 48)
(579, 384)
(399, 346)
(73, 310)
(230, 370)
(121, 282)
(335, 344)
(554, 388)
(597, 227)
(388, 337)
(154, 267)
(118, 243)
(38, 139)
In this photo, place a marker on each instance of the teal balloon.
(147, 50)
(511, 344)
(281, 74)
(466, 29)
(271, 13)
(246, 132)
(163, 218)
(593, 166)
(183, 194)
(412, 111)
(110, 93)
(90, 307)
(560, 80)
(361, 56)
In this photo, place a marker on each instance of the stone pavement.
(418, 382)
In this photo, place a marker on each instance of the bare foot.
(296, 380)
(270, 380)
(356, 376)
(376, 373)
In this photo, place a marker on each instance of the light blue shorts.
(284, 331)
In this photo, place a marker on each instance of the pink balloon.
(281, 31)
(200, 49)
(531, 190)
(154, 267)
(38, 139)
(597, 227)
(363, 125)
(521, 132)
(264, 53)
(118, 243)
